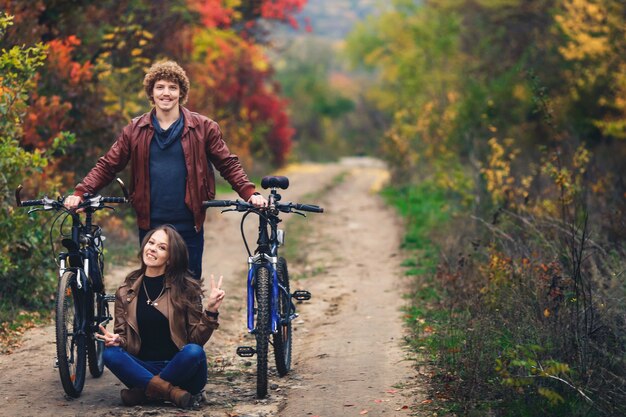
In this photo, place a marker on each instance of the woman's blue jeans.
(187, 369)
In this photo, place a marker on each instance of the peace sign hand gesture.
(216, 296)
(109, 339)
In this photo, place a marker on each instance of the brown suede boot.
(160, 389)
(133, 396)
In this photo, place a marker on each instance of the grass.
(425, 209)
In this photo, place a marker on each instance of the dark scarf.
(165, 138)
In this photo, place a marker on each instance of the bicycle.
(81, 301)
(269, 299)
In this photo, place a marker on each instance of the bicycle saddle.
(275, 182)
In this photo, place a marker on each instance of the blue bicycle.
(270, 303)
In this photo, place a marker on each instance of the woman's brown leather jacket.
(203, 148)
(191, 326)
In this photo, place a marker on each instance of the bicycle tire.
(70, 339)
(95, 347)
(262, 289)
(282, 339)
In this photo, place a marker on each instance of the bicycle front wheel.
(70, 335)
(262, 289)
(95, 347)
(282, 338)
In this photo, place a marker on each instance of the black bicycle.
(270, 306)
(81, 301)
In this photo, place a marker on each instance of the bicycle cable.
(243, 219)
(56, 218)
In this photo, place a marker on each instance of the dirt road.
(348, 356)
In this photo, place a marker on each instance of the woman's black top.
(154, 329)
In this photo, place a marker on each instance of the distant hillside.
(329, 19)
(334, 19)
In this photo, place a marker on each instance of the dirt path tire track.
(347, 343)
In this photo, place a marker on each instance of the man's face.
(166, 95)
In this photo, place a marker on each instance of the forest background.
(503, 121)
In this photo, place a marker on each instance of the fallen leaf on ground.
(363, 412)
(427, 401)
(404, 407)
(391, 391)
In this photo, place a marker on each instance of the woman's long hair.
(186, 291)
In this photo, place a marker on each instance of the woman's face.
(156, 253)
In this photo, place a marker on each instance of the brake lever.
(108, 207)
(226, 210)
(297, 212)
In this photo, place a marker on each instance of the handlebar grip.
(119, 200)
(309, 207)
(29, 203)
(218, 203)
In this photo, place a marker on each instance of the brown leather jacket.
(203, 148)
(191, 326)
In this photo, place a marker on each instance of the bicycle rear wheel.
(70, 335)
(95, 347)
(282, 338)
(262, 288)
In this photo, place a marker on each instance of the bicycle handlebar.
(94, 201)
(244, 206)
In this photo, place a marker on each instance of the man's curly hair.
(169, 71)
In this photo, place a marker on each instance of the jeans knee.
(196, 352)
(111, 356)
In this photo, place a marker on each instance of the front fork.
(90, 325)
(254, 263)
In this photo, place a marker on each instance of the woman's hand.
(216, 296)
(110, 339)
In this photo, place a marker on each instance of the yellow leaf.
(546, 313)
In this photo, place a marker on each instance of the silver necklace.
(149, 301)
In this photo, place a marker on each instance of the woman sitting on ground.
(160, 326)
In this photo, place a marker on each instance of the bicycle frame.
(266, 256)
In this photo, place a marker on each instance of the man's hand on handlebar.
(257, 200)
(72, 201)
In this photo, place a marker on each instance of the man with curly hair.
(172, 152)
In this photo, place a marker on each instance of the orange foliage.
(60, 61)
(46, 118)
(213, 13)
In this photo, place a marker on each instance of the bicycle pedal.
(109, 298)
(246, 351)
(301, 295)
